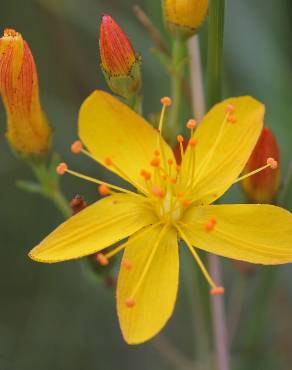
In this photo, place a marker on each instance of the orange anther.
(129, 302)
(192, 123)
(156, 190)
(76, 147)
(193, 142)
(146, 175)
(61, 168)
(155, 162)
(127, 264)
(230, 108)
(103, 190)
(157, 153)
(231, 118)
(108, 161)
(101, 258)
(209, 226)
(272, 162)
(179, 194)
(166, 100)
(218, 290)
(185, 203)
(170, 162)
(180, 138)
(173, 181)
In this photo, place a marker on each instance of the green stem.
(214, 95)
(177, 74)
(50, 188)
(215, 52)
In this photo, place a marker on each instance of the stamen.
(62, 168)
(231, 118)
(170, 162)
(102, 259)
(155, 162)
(156, 190)
(104, 190)
(166, 102)
(197, 258)
(219, 290)
(146, 175)
(191, 124)
(180, 140)
(271, 162)
(129, 302)
(77, 147)
(230, 108)
(209, 226)
(108, 161)
(193, 142)
(185, 203)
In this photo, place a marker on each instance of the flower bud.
(183, 17)
(28, 131)
(263, 186)
(119, 62)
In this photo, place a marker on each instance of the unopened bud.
(183, 17)
(28, 131)
(119, 61)
(263, 186)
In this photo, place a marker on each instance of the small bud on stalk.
(28, 131)
(119, 61)
(183, 17)
(263, 186)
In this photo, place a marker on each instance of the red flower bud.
(263, 186)
(119, 62)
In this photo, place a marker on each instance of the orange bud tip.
(180, 138)
(61, 168)
(76, 147)
(108, 161)
(193, 141)
(166, 101)
(127, 264)
(218, 290)
(273, 164)
(231, 118)
(158, 192)
(155, 162)
(130, 302)
(230, 108)
(101, 258)
(191, 124)
(103, 190)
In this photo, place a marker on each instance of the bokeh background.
(57, 317)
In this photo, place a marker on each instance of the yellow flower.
(172, 203)
(27, 129)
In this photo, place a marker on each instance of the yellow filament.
(99, 182)
(252, 173)
(149, 261)
(197, 258)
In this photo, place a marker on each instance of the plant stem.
(178, 67)
(214, 95)
(50, 188)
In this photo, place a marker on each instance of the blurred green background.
(53, 317)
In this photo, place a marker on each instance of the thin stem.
(178, 68)
(214, 90)
(50, 188)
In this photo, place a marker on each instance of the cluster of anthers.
(167, 187)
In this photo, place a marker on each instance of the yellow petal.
(155, 298)
(96, 227)
(254, 233)
(218, 165)
(110, 129)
